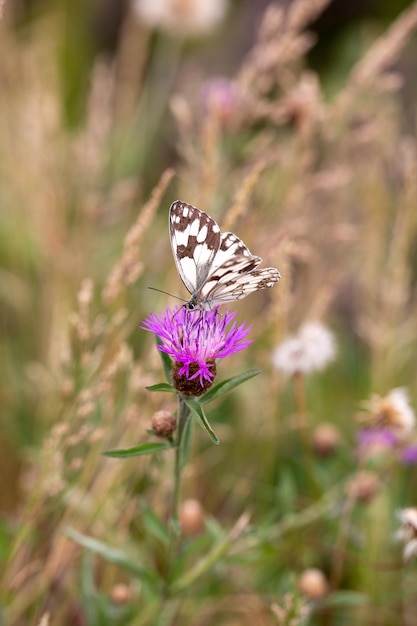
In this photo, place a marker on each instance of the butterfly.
(215, 267)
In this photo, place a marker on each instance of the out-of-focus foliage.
(305, 146)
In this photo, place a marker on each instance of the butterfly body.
(215, 267)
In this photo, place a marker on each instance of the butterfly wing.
(195, 240)
(235, 279)
(230, 247)
(215, 267)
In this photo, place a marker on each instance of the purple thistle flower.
(194, 339)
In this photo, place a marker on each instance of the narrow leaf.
(198, 412)
(113, 555)
(227, 385)
(166, 360)
(153, 524)
(346, 598)
(145, 448)
(161, 387)
(186, 444)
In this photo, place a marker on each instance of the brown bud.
(120, 594)
(191, 517)
(163, 423)
(313, 583)
(364, 486)
(326, 438)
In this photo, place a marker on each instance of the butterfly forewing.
(195, 240)
(215, 267)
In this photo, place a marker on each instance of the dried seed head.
(392, 412)
(311, 349)
(407, 533)
(186, 18)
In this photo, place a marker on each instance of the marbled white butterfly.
(215, 267)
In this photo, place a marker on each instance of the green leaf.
(153, 524)
(186, 442)
(166, 360)
(113, 555)
(345, 598)
(145, 448)
(198, 412)
(161, 387)
(227, 385)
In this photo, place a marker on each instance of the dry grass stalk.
(281, 43)
(386, 50)
(371, 73)
(129, 267)
(130, 66)
(242, 195)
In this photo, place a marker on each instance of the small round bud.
(164, 423)
(313, 583)
(191, 517)
(364, 486)
(326, 438)
(120, 594)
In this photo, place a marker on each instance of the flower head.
(393, 413)
(312, 348)
(408, 455)
(182, 17)
(372, 441)
(407, 533)
(220, 96)
(194, 339)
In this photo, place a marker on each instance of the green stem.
(215, 554)
(183, 417)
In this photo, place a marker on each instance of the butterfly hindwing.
(236, 279)
(230, 247)
(215, 267)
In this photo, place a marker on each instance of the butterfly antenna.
(167, 293)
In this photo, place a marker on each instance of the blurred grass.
(323, 186)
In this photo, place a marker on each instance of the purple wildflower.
(374, 440)
(194, 339)
(409, 455)
(220, 95)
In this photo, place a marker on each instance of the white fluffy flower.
(311, 349)
(408, 531)
(393, 412)
(182, 17)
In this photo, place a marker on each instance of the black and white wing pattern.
(215, 267)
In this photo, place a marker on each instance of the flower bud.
(313, 583)
(191, 517)
(120, 594)
(164, 423)
(326, 438)
(364, 486)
